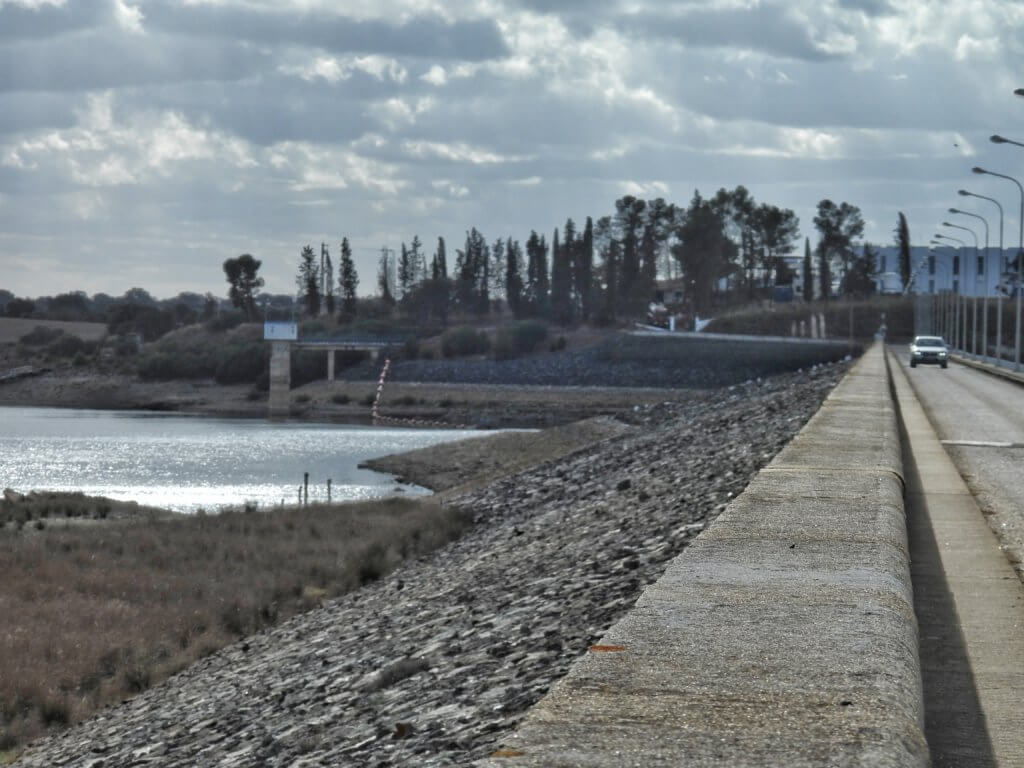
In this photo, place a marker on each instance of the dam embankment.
(436, 664)
(784, 636)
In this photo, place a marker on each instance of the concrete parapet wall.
(784, 636)
(758, 355)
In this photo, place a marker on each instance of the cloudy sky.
(142, 142)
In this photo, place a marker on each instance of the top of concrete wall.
(784, 636)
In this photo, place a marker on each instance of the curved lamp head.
(964, 193)
(955, 210)
(997, 139)
(1019, 92)
(976, 169)
(947, 224)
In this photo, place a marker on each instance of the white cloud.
(457, 152)
(334, 69)
(33, 3)
(128, 17)
(645, 189)
(450, 188)
(435, 75)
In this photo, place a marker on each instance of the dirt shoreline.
(433, 404)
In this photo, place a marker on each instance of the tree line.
(606, 270)
(727, 247)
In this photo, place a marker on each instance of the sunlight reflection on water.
(188, 462)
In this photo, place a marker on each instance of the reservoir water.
(186, 463)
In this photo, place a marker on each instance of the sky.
(143, 142)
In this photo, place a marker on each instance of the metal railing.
(962, 322)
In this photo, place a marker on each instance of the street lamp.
(1020, 248)
(1002, 269)
(954, 313)
(984, 301)
(997, 139)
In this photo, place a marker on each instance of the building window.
(931, 265)
(956, 286)
(885, 264)
(956, 265)
(931, 286)
(981, 265)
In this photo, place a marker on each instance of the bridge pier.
(279, 401)
(280, 378)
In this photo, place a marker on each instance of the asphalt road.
(980, 419)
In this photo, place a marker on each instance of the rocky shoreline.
(435, 664)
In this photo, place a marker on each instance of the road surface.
(980, 420)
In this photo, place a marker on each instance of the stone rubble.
(436, 663)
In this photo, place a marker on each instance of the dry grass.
(13, 328)
(93, 614)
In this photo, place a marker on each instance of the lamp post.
(984, 300)
(1002, 269)
(960, 330)
(1020, 245)
(974, 298)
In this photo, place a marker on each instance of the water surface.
(187, 463)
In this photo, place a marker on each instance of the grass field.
(95, 613)
(13, 328)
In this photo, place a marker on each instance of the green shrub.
(311, 328)
(519, 338)
(302, 398)
(41, 336)
(412, 348)
(464, 340)
(340, 399)
(504, 346)
(225, 321)
(242, 364)
(66, 345)
(174, 363)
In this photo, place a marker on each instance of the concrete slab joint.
(783, 636)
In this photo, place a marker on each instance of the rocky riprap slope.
(591, 367)
(434, 664)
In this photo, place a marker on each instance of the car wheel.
(944, 365)
(913, 364)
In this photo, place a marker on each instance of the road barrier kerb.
(783, 636)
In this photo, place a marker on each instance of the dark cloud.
(763, 27)
(426, 36)
(829, 94)
(109, 59)
(869, 7)
(298, 111)
(35, 111)
(19, 22)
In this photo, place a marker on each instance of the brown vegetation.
(93, 614)
(779, 318)
(13, 328)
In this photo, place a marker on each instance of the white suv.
(928, 350)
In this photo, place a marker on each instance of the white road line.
(980, 443)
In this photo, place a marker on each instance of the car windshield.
(929, 341)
